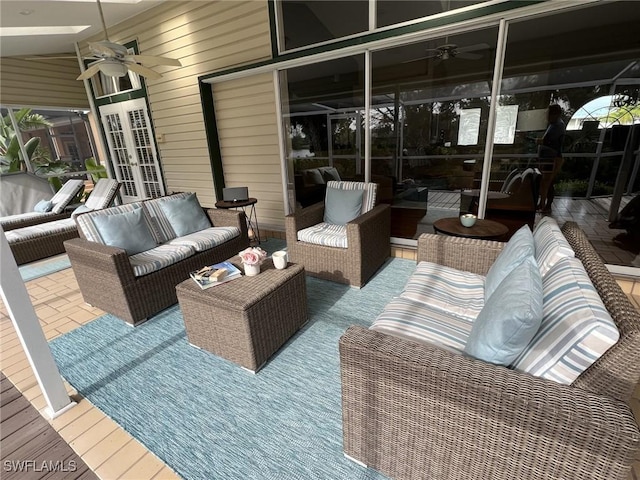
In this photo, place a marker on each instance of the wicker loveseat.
(415, 410)
(135, 287)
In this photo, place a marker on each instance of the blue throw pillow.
(128, 230)
(185, 215)
(43, 206)
(519, 247)
(510, 318)
(342, 206)
(80, 210)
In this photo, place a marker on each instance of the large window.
(439, 146)
(306, 22)
(303, 23)
(429, 113)
(56, 141)
(390, 12)
(323, 107)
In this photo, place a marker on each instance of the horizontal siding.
(205, 37)
(247, 129)
(42, 83)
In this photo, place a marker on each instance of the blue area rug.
(38, 269)
(271, 245)
(209, 419)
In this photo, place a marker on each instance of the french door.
(132, 150)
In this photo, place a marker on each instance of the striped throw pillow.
(87, 226)
(458, 292)
(405, 318)
(158, 221)
(576, 327)
(550, 244)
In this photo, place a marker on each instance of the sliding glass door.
(430, 106)
(429, 114)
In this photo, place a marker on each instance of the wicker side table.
(247, 319)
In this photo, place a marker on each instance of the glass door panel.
(593, 84)
(323, 107)
(429, 114)
(133, 152)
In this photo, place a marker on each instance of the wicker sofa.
(415, 410)
(135, 287)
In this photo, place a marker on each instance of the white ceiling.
(61, 13)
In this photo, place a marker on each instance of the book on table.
(217, 274)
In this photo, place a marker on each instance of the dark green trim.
(213, 141)
(381, 35)
(272, 27)
(121, 97)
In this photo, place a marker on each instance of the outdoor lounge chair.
(43, 240)
(349, 253)
(59, 201)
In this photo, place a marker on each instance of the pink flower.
(252, 256)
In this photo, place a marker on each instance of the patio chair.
(55, 208)
(43, 240)
(346, 252)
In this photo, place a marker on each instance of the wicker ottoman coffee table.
(246, 320)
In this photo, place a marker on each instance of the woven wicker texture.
(27, 222)
(617, 372)
(247, 319)
(416, 411)
(368, 238)
(106, 278)
(33, 249)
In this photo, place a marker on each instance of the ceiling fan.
(451, 50)
(113, 59)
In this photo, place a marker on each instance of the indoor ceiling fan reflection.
(451, 50)
(113, 59)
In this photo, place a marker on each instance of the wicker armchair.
(417, 411)
(368, 242)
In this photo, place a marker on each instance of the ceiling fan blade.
(421, 58)
(144, 71)
(152, 61)
(90, 72)
(473, 48)
(469, 56)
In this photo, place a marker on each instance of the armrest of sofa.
(412, 411)
(92, 259)
(221, 217)
(371, 231)
(301, 219)
(468, 254)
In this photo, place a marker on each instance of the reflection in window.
(390, 12)
(306, 22)
(323, 107)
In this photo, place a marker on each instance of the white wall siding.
(205, 37)
(42, 83)
(248, 133)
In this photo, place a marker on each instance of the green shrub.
(578, 188)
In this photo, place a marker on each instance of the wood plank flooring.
(31, 448)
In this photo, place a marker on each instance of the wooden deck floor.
(31, 448)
